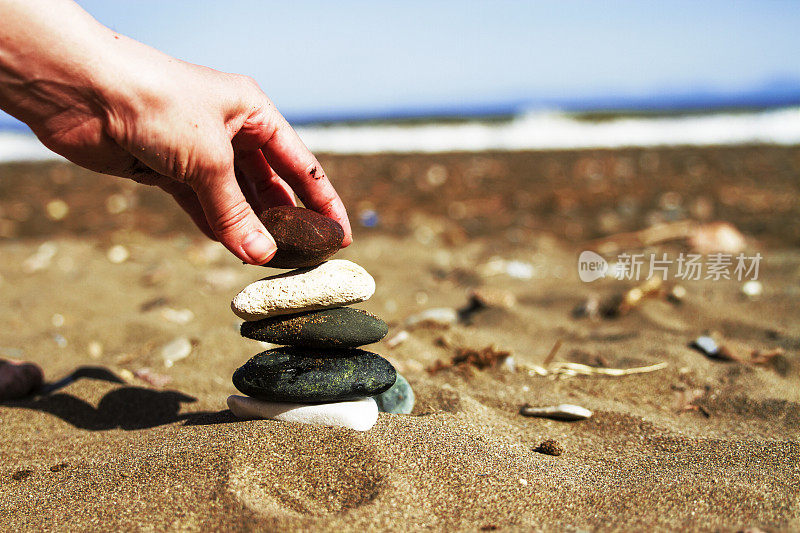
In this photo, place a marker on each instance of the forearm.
(52, 55)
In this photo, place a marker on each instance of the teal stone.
(313, 376)
(398, 400)
(340, 327)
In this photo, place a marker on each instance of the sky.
(316, 56)
(346, 56)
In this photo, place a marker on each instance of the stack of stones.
(317, 375)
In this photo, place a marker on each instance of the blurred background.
(479, 147)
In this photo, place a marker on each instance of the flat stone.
(399, 399)
(340, 327)
(302, 375)
(334, 283)
(565, 412)
(304, 237)
(359, 415)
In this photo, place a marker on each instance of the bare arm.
(212, 140)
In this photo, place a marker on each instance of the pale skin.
(212, 140)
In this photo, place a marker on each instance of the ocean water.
(526, 131)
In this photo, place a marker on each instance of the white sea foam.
(530, 131)
(537, 131)
(15, 146)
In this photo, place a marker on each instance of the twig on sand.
(568, 369)
(552, 354)
(670, 231)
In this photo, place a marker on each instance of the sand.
(701, 445)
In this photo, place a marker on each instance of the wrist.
(52, 61)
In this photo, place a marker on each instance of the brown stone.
(304, 237)
(550, 447)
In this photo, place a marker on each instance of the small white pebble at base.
(359, 415)
(523, 482)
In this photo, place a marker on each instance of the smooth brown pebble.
(304, 237)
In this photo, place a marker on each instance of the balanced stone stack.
(318, 375)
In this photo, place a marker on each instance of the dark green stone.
(341, 327)
(399, 399)
(310, 376)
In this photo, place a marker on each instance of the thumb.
(232, 219)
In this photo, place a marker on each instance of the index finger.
(294, 162)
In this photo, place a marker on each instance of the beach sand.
(703, 444)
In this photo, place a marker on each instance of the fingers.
(270, 189)
(231, 218)
(286, 153)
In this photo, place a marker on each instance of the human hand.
(212, 140)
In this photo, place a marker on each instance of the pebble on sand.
(565, 412)
(550, 447)
(359, 415)
(334, 283)
(706, 345)
(399, 399)
(752, 289)
(57, 209)
(304, 237)
(175, 350)
(340, 327)
(436, 316)
(304, 375)
(118, 254)
(18, 379)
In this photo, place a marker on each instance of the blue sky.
(360, 56)
(312, 56)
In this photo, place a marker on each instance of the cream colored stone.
(333, 283)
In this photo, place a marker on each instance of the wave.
(544, 131)
(528, 131)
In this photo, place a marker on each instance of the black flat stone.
(304, 237)
(312, 376)
(340, 327)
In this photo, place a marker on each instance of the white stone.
(565, 411)
(359, 415)
(752, 289)
(177, 316)
(175, 350)
(332, 284)
(118, 254)
(440, 316)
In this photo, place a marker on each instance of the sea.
(531, 129)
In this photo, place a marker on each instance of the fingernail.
(258, 247)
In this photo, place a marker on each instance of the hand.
(212, 140)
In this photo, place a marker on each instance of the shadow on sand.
(127, 408)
